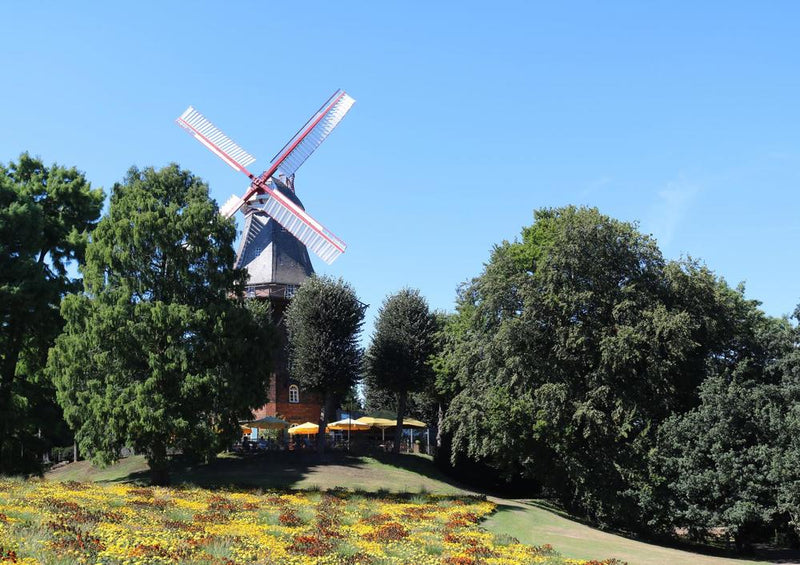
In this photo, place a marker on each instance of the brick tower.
(277, 263)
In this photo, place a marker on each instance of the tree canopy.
(160, 353)
(731, 460)
(323, 322)
(573, 346)
(399, 356)
(46, 215)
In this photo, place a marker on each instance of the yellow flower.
(128, 525)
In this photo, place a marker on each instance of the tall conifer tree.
(160, 353)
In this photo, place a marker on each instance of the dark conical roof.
(271, 254)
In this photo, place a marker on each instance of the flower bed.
(50, 522)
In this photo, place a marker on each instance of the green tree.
(160, 353)
(786, 471)
(378, 400)
(565, 355)
(323, 321)
(46, 214)
(398, 358)
(722, 459)
(451, 335)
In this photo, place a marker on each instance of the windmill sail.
(231, 206)
(305, 228)
(312, 134)
(220, 144)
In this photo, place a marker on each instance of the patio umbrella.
(348, 424)
(376, 422)
(381, 423)
(267, 423)
(412, 423)
(306, 428)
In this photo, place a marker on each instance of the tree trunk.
(158, 463)
(401, 412)
(741, 540)
(324, 413)
(439, 424)
(8, 371)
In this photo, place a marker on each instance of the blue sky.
(681, 116)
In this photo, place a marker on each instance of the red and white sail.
(305, 228)
(292, 217)
(312, 134)
(220, 144)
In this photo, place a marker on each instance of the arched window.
(294, 394)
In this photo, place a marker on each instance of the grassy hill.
(531, 522)
(283, 470)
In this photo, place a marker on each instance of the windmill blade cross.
(289, 215)
(212, 137)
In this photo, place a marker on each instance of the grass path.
(532, 524)
(524, 520)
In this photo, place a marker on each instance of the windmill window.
(294, 394)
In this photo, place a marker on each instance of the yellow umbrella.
(381, 423)
(348, 424)
(376, 422)
(306, 428)
(412, 423)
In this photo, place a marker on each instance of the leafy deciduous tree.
(323, 322)
(576, 359)
(566, 355)
(730, 461)
(398, 359)
(46, 214)
(786, 472)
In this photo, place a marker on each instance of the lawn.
(283, 470)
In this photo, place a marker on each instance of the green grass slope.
(282, 470)
(535, 525)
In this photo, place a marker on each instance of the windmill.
(268, 192)
(277, 233)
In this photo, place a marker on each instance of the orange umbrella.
(350, 425)
(306, 428)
